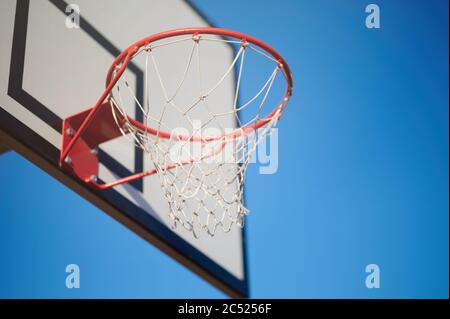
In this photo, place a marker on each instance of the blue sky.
(362, 178)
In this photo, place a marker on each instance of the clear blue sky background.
(363, 172)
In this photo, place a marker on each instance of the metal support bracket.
(82, 158)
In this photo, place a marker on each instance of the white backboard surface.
(49, 71)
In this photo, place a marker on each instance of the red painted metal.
(96, 125)
(81, 160)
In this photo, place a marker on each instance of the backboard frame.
(18, 137)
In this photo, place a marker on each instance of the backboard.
(51, 69)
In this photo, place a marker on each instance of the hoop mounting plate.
(82, 159)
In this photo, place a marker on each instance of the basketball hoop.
(201, 175)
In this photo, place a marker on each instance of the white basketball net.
(202, 173)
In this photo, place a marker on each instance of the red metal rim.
(126, 56)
